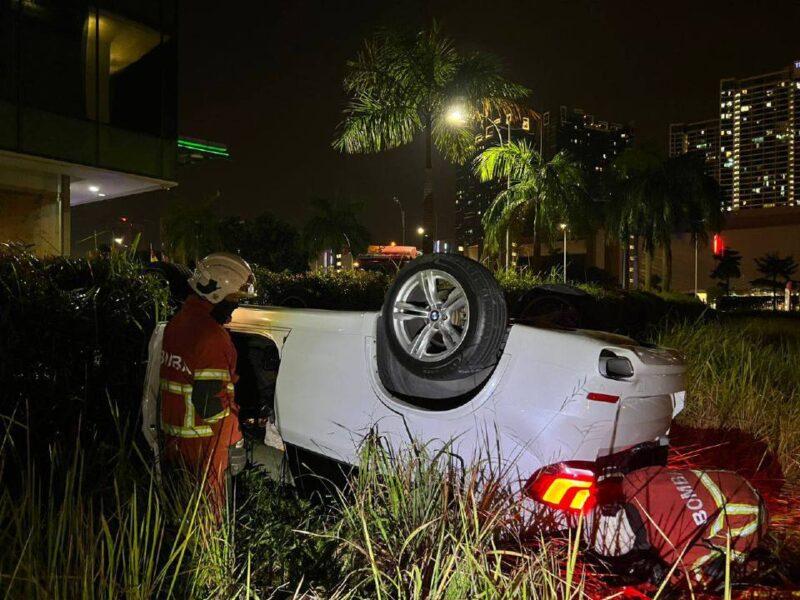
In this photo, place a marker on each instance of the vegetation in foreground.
(81, 516)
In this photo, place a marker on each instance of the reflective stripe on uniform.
(189, 429)
(213, 374)
(175, 387)
(187, 432)
(724, 509)
(218, 416)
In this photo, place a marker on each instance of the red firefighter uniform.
(689, 515)
(199, 417)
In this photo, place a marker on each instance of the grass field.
(743, 375)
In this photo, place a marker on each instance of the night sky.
(264, 77)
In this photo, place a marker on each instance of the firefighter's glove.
(237, 458)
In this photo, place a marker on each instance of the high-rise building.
(701, 137)
(759, 139)
(88, 110)
(474, 197)
(594, 143)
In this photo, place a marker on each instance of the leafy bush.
(285, 533)
(340, 290)
(74, 337)
(632, 313)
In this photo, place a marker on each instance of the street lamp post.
(696, 235)
(695, 266)
(402, 220)
(563, 227)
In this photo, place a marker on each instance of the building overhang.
(87, 184)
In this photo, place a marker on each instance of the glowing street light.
(119, 240)
(455, 115)
(420, 231)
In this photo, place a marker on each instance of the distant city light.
(119, 240)
(421, 230)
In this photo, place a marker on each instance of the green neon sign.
(201, 147)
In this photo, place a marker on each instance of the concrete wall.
(36, 216)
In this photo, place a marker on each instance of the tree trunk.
(648, 270)
(667, 283)
(636, 261)
(537, 246)
(427, 204)
(624, 243)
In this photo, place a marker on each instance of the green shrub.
(329, 289)
(285, 533)
(73, 337)
(632, 313)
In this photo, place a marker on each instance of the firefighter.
(690, 517)
(199, 417)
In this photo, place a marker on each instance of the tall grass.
(416, 525)
(743, 374)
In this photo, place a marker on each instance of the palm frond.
(372, 125)
(508, 205)
(514, 161)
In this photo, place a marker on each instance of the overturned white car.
(440, 363)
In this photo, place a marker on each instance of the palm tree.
(190, 228)
(402, 84)
(658, 197)
(773, 268)
(335, 226)
(549, 192)
(727, 268)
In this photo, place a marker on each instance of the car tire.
(442, 328)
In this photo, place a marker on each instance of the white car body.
(534, 409)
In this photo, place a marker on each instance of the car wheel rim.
(430, 315)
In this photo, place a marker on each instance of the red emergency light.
(718, 245)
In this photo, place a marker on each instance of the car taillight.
(566, 486)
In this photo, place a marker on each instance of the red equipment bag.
(693, 516)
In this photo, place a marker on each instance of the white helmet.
(223, 274)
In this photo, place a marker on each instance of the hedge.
(633, 313)
(73, 345)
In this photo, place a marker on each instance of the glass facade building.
(759, 126)
(92, 83)
(752, 148)
(88, 109)
(701, 137)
